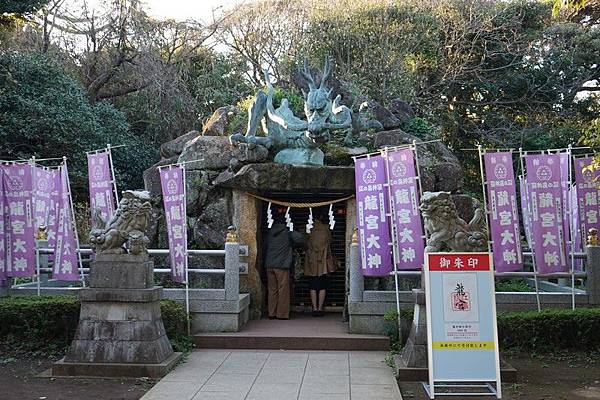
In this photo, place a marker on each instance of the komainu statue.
(296, 141)
(126, 230)
(446, 231)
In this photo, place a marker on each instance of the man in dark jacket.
(278, 260)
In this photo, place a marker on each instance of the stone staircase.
(301, 332)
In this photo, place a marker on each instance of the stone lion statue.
(446, 231)
(126, 230)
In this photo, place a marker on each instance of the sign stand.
(462, 336)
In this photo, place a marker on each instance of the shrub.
(513, 285)
(550, 330)
(49, 323)
(546, 331)
(35, 323)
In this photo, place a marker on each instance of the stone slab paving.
(279, 375)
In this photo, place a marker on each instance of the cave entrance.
(341, 234)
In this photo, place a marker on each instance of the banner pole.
(187, 285)
(33, 222)
(571, 224)
(414, 147)
(535, 276)
(485, 202)
(73, 222)
(385, 155)
(112, 173)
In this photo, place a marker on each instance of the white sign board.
(462, 335)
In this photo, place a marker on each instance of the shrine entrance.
(300, 294)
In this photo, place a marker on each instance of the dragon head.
(317, 104)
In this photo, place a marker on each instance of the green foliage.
(44, 112)
(512, 285)
(36, 323)
(21, 6)
(546, 331)
(550, 330)
(418, 127)
(48, 323)
(175, 321)
(295, 99)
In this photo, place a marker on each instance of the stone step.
(299, 333)
(346, 343)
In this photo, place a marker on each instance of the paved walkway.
(279, 375)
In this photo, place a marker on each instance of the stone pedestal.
(120, 331)
(414, 354)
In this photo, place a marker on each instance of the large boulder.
(382, 114)
(248, 154)
(217, 123)
(198, 186)
(465, 206)
(448, 176)
(175, 147)
(394, 137)
(152, 178)
(210, 228)
(269, 177)
(401, 110)
(207, 152)
(439, 167)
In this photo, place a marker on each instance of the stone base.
(220, 315)
(120, 321)
(508, 373)
(64, 368)
(366, 317)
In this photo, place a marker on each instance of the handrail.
(202, 252)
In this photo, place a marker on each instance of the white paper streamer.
(288, 220)
(331, 218)
(309, 224)
(269, 216)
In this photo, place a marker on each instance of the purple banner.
(45, 194)
(100, 182)
(524, 210)
(54, 208)
(565, 159)
(65, 251)
(172, 180)
(373, 224)
(405, 200)
(545, 197)
(503, 211)
(2, 225)
(588, 195)
(19, 230)
(576, 237)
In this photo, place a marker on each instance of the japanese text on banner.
(545, 197)
(588, 196)
(173, 190)
(100, 183)
(19, 230)
(503, 213)
(65, 248)
(405, 200)
(372, 221)
(2, 225)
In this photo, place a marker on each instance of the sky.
(184, 9)
(187, 9)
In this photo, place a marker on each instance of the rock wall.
(219, 175)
